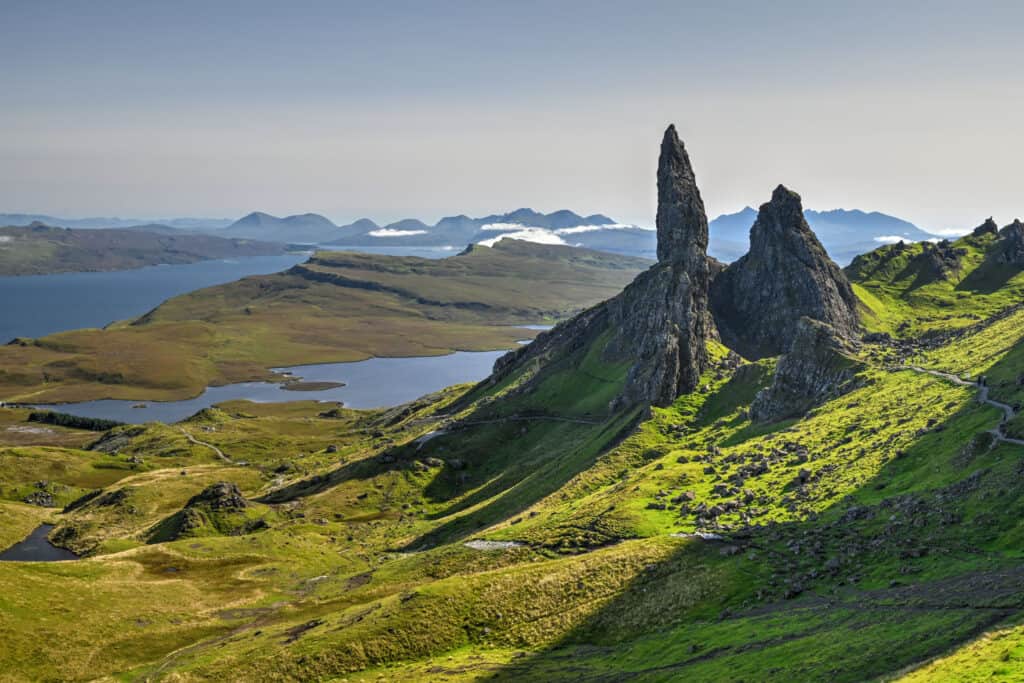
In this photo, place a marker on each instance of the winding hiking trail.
(1008, 412)
(219, 452)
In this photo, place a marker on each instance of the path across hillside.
(1008, 412)
(219, 452)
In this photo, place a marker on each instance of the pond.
(37, 548)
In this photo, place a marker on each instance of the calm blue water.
(37, 305)
(372, 383)
(37, 548)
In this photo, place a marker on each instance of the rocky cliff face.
(1011, 244)
(758, 300)
(819, 366)
(659, 323)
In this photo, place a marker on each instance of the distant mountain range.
(198, 224)
(844, 233)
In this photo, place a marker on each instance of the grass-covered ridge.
(336, 307)
(912, 289)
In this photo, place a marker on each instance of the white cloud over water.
(388, 232)
(538, 235)
(593, 228)
(533, 233)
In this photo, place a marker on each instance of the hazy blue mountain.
(197, 224)
(306, 228)
(729, 234)
(556, 220)
(844, 233)
(408, 225)
(356, 228)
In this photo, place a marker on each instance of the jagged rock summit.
(681, 222)
(758, 300)
(659, 326)
(660, 323)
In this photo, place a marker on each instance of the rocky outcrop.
(220, 508)
(660, 323)
(819, 366)
(1010, 248)
(758, 300)
(937, 261)
(989, 227)
(223, 495)
(681, 222)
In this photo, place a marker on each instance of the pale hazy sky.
(394, 109)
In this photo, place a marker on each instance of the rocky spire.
(660, 323)
(758, 300)
(663, 317)
(682, 222)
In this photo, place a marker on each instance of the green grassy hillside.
(911, 289)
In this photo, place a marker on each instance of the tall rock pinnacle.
(682, 222)
(758, 300)
(659, 325)
(663, 316)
